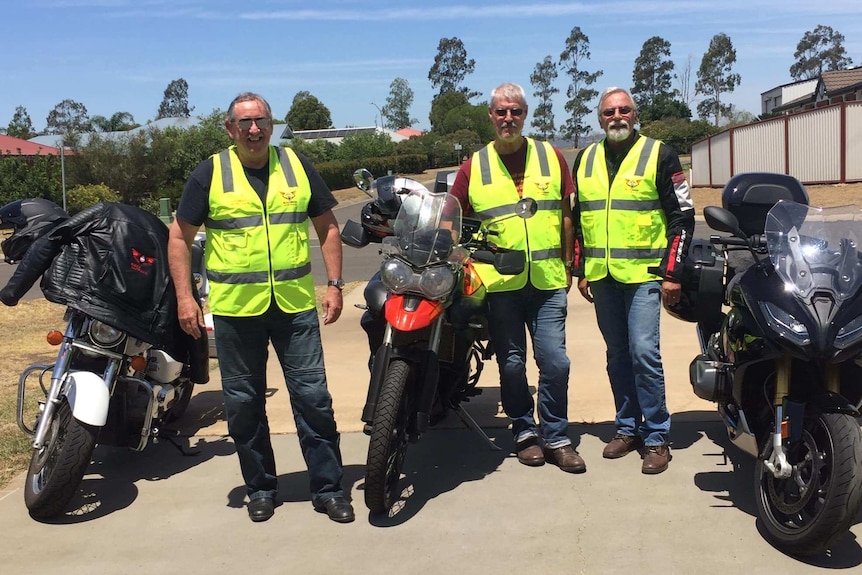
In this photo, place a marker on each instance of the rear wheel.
(56, 470)
(388, 444)
(806, 512)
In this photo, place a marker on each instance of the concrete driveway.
(466, 508)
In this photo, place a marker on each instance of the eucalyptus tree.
(819, 50)
(542, 79)
(715, 78)
(579, 93)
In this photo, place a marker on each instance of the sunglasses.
(262, 123)
(501, 112)
(609, 112)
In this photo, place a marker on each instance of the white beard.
(619, 133)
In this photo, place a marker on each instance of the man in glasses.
(256, 201)
(490, 184)
(634, 220)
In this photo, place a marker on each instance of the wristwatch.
(339, 283)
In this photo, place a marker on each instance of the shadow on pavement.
(109, 484)
(440, 462)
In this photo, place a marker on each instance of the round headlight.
(104, 335)
(396, 275)
(436, 282)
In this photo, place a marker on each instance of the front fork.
(430, 375)
(777, 462)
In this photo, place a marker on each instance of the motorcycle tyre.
(387, 446)
(66, 456)
(178, 409)
(837, 437)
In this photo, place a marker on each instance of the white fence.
(820, 146)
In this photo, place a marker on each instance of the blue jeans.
(543, 313)
(628, 317)
(243, 346)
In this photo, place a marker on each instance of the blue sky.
(120, 55)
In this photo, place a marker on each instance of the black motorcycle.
(782, 360)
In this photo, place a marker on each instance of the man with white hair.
(633, 219)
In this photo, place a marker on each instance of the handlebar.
(755, 242)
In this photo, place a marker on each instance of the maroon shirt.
(515, 164)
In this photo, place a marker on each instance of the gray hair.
(508, 91)
(613, 90)
(248, 97)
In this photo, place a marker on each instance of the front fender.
(88, 397)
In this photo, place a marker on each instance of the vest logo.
(288, 196)
(543, 186)
(633, 183)
(141, 263)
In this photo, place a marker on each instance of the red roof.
(16, 147)
(408, 132)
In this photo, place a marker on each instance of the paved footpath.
(465, 509)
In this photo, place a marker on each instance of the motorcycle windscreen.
(816, 249)
(428, 227)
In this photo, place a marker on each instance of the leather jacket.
(109, 261)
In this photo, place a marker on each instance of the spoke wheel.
(56, 470)
(388, 444)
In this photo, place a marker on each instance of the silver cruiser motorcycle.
(112, 382)
(778, 306)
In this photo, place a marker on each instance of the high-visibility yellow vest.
(254, 252)
(493, 195)
(623, 224)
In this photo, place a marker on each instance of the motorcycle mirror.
(723, 220)
(363, 180)
(526, 208)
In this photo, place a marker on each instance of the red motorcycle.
(424, 316)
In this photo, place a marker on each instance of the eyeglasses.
(501, 112)
(609, 112)
(245, 123)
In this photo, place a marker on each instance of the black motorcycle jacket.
(110, 262)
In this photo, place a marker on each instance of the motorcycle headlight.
(784, 324)
(104, 335)
(396, 275)
(849, 334)
(436, 282)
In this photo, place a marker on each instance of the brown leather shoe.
(529, 452)
(656, 459)
(621, 445)
(567, 459)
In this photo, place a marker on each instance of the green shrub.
(338, 174)
(81, 197)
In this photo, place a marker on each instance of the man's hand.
(190, 316)
(584, 288)
(332, 304)
(670, 293)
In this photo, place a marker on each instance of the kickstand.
(471, 423)
(169, 436)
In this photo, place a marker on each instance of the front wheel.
(388, 444)
(56, 470)
(805, 513)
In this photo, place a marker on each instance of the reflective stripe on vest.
(493, 195)
(623, 224)
(258, 253)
